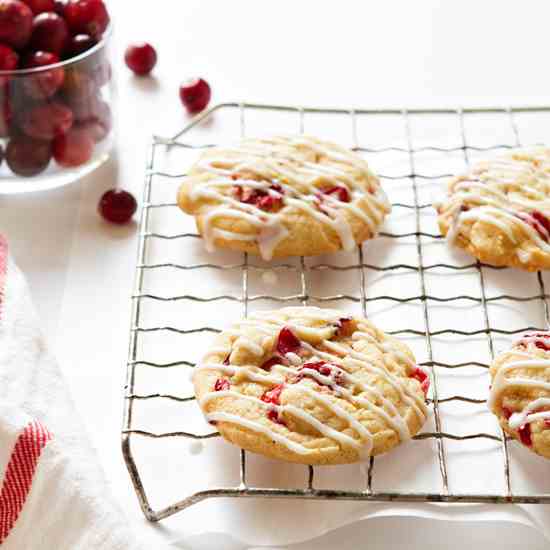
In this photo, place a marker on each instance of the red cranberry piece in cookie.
(117, 206)
(287, 342)
(525, 435)
(73, 148)
(319, 366)
(221, 384)
(43, 84)
(27, 157)
(49, 33)
(15, 23)
(507, 412)
(273, 395)
(267, 365)
(195, 94)
(423, 378)
(40, 6)
(338, 192)
(324, 369)
(538, 221)
(141, 58)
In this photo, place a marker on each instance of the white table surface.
(320, 53)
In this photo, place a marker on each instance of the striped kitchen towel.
(53, 495)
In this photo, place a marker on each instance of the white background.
(345, 53)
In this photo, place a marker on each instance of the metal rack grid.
(243, 489)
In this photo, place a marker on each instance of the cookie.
(500, 210)
(311, 386)
(520, 391)
(283, 196)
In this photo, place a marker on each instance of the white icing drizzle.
(342, 383)
(501, 382)
(502, 193)
(276, 161)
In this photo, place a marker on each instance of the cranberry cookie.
(311, 386)
(500, 210)
(520, 391)
(283, 196)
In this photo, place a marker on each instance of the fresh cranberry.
(79, 43)
(15, 23)
(195, 94)
(27, 157)
(87, 17)
(59, 6)
(78, 87)
(339, 192)
(267, 365)
(8, 58)
(49, 33)
(525, 435)
(117, 206)
(99, 124)
(73, 148)
(287, 342)
(423, 378)
(45, 83)
(47, 121)
(507, 412)
(221, 384)
(6, 115)
(273, 395)
(40, 6)
(141, 58)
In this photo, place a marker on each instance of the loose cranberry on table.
(140, 58)
(49, 33)
(117, 206)
(86, 17)
(45, 83)
(28, 157)
(48, 120)
(195, 94)
(73, 148)
(15, 23)
(40, 6)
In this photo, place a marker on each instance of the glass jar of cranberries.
(56, 92)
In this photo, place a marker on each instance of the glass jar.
(56, 122)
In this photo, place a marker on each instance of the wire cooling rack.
(501, 121)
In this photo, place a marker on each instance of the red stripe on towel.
(19, 474)
(3, 269)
